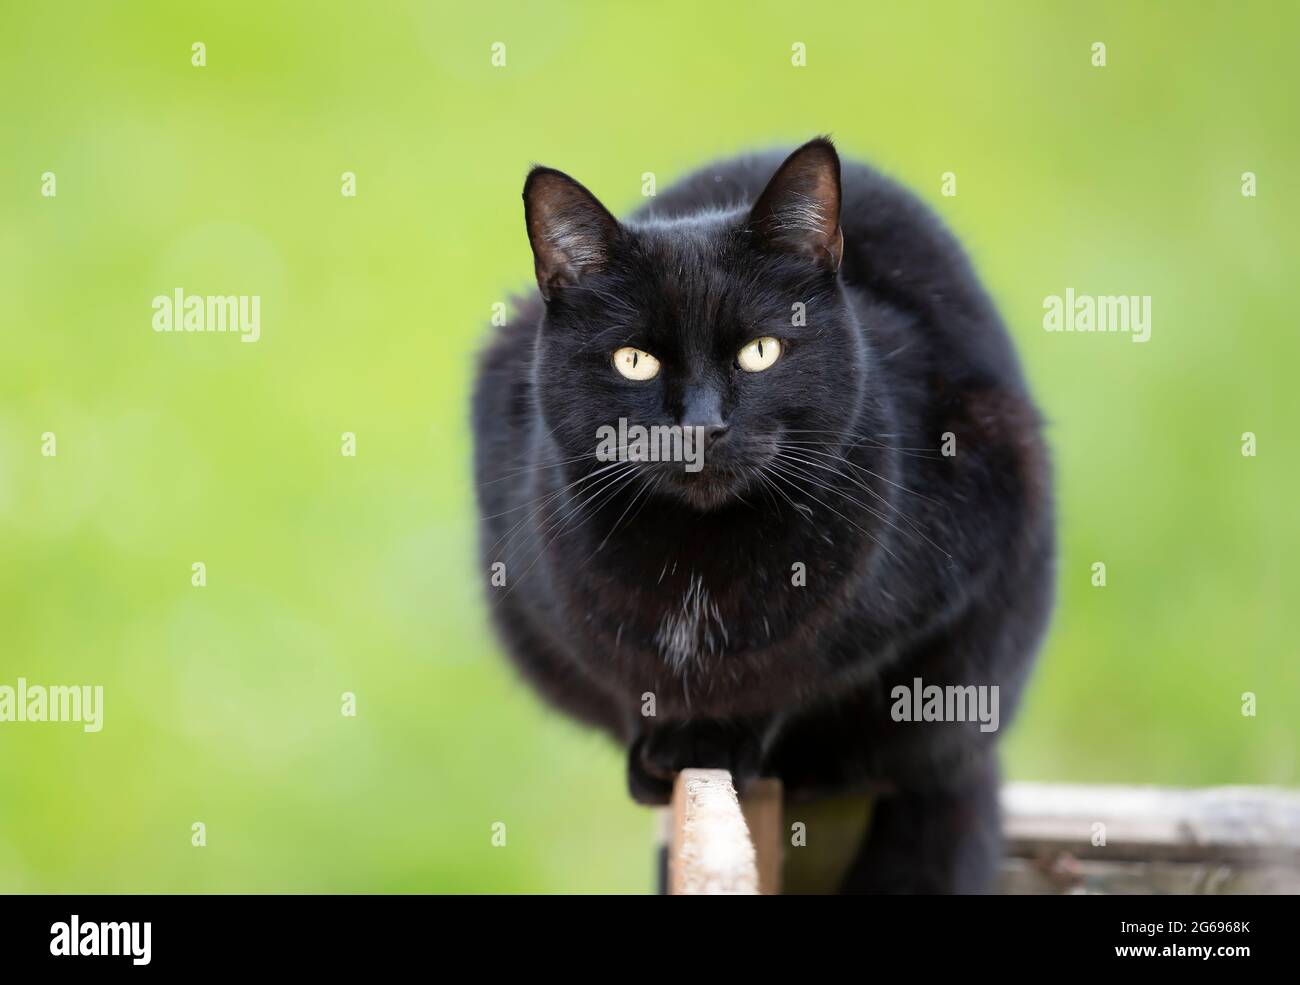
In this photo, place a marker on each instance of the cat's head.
(729, 321)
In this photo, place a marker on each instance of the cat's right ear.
(799, 210)
(571, 232)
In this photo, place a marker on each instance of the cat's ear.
(570, 231)
(799, 210)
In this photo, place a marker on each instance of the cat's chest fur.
(731, 607)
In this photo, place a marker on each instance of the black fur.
(680, 585)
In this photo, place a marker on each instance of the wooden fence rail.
(1059, 839)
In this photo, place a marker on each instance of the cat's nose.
(702, 408)
(702, 412)
(709, 434)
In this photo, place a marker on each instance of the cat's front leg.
(660, 751)
(945, 840)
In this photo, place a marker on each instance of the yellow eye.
(636, 364)
(759, 354)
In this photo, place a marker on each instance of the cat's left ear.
(799, 210)
(571, 232)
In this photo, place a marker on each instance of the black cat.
(873, 514)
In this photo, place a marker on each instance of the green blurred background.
(329, 574)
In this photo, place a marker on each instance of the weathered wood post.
(1060, 838)
(1068, 838)
(716, 846)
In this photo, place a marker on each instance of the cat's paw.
(657, 756)
(646, 782)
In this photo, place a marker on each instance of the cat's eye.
(636, 364)
(759, 354)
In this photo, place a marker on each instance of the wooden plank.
(1065, 875)
(1061, 838)
(764, 817)
(710, 852)
(1222, 824)
(1068, 839)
